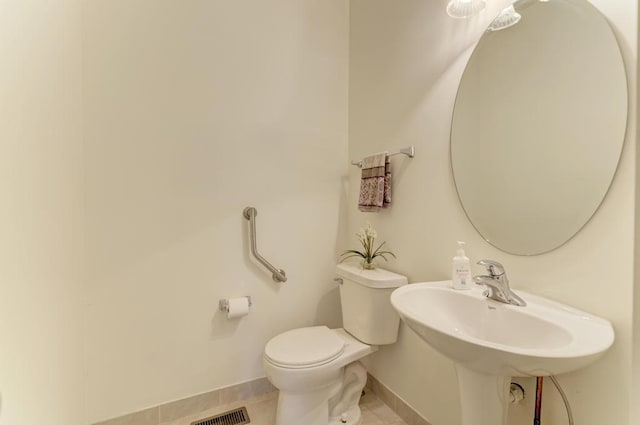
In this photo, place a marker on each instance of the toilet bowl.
(316, 369)
(307, 365)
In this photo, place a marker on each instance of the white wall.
(635, 376)
(41, 212)
(198, 109)
(405, 64)
(195, 110)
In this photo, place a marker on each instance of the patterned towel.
(375, 185)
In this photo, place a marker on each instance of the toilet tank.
(367, 313)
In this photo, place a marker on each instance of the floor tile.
(262, 411)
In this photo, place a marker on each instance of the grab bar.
(278, 274)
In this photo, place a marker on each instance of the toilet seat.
(304, 348)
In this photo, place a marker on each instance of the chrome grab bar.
(278, 274)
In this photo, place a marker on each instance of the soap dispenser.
(461, 278)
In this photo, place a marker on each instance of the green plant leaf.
(351, 253)
(354, 252)
(378, 252)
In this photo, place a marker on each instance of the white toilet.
(316, 369)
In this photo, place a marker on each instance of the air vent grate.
(232, 417)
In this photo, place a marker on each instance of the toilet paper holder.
(223, 304)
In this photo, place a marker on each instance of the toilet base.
(303, 408)
(335, 404)
(312, 409)
(350, 417)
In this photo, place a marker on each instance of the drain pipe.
(536, 416)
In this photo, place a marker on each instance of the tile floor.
(262, 411)
(375, 412)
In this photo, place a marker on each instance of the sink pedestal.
(484, 398)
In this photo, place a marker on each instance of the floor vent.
(232, 417)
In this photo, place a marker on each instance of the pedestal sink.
(490, 341)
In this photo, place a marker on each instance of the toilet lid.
(304, 347)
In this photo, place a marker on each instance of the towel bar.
(410, 152)
(278, 274)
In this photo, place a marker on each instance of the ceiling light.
(508, 17)
(464, 8)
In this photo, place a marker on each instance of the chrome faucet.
(497, 284)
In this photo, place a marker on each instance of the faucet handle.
(494, 268)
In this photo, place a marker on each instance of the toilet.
(317, 369)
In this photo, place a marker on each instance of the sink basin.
(492, 341)
(544, 338)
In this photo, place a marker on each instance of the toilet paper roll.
(238, 307)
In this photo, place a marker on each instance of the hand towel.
(375, 184)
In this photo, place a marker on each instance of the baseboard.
(395, 403)
(173, 410)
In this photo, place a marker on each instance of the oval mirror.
(538, 124)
